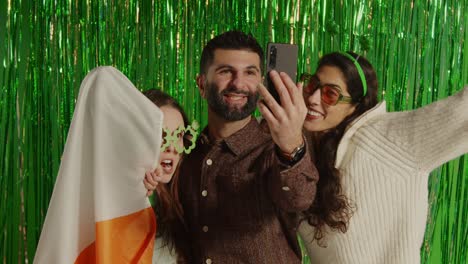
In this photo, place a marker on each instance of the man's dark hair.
(230, 40)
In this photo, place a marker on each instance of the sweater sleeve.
(433, 134)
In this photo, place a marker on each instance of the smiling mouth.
(235, 97)
(314, 113)
(167, 165)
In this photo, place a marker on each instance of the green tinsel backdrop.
(419, 49)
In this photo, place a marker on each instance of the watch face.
(297, 150)
(293, 157)
(298, 153)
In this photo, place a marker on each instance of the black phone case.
(281, 57)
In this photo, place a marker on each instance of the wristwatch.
(293, 157)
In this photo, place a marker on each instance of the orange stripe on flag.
(126, 239)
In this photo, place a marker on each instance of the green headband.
(360, 71)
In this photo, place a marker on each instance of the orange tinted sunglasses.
(330, 94)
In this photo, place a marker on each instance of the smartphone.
(281, 57)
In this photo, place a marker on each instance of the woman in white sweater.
(372, 198)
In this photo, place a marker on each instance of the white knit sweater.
(162, 253)
(385, 160)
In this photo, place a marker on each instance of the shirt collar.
(247, 138)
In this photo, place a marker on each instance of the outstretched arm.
(433, 134)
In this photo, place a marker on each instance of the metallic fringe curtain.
(419, 49)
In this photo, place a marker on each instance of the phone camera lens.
(273, 56)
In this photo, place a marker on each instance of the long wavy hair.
(331, 207)
(166, 203)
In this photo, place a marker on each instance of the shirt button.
(285, 188)
(205, 229)
(208, 261)
(204, 193)
(209, 162)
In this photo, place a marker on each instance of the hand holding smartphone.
(285, 121)
(281, 57)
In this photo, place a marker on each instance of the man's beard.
(221, 108)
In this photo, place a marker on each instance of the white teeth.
(235, 97)
(313, 113)
(167, 162)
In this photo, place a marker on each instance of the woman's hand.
(285, 120)
(152, 180)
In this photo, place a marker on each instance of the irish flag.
(98, 212)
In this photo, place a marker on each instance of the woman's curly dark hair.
(331, 207)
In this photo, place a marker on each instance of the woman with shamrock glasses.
(372, 197)
(98, 212)
(178, 138)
